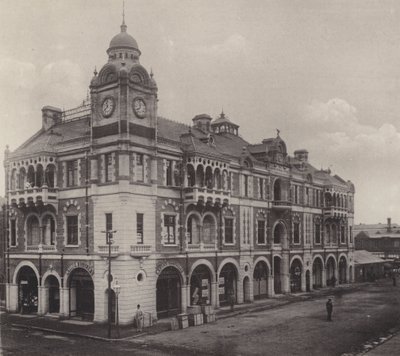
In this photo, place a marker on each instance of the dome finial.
(123, 26)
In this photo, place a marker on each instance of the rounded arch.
(108, 73)
(279, 232)
(261, 274)
(50, 175)
(181, 273)
(277, 189)
(263, 259)
(343, 255)
(32, 229)
(48, 274)
(331, 267)
(331, 255)
(191, 175)
(24, 264)
(318, 257)
(201, 278)
(298, 258)
(206, 263)
(21, 178)
(209, 223)
(226, 261)
(200, 175)
(81, 289)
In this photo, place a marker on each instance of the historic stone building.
(196, 212)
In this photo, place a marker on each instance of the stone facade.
(196, 214)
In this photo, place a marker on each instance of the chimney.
(50, 116)
(389, 225)
(301, 155)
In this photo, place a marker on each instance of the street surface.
(299, 328)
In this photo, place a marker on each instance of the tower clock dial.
(139, 107)
(108, 107)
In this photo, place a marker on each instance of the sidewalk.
(99, 331)
(388, 348)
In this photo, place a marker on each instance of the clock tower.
(123, 94)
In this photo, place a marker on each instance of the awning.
(363, 257)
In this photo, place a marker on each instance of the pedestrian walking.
(139, 319)
(329, 309)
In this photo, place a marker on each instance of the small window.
(72, 230)
(351, 234)
(261, 184)
(342, 235)
(139, 168)
(13, 232)
(72, 173)
(189, 230)
(228, 230)
(108, 167)
(261, 231)
(246, 186)
(169, 172)
(139, 228)
(169, 224)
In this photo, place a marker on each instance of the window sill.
(170, 245)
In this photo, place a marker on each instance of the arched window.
(209, 178)
(279, 233)
(50, 175)
(33, 231)
(217, 179)
(39, 175)
(277, 190)
(49, 230)
(13, 178)
(191, 175)
(30, 177)
(200, 176)
(22, 178)
(72, 226)
(209, 229)
(193, 229)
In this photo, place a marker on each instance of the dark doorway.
(317, 273)
(295, 276)
(54, 294)
(200, 286)
(81, 294)
(28, 291)
(260, 280)
(227, 284)
(308, 282)
(168, 293)
(342, 270)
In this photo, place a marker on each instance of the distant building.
(382, 240)
(3, 249)
(368, 267)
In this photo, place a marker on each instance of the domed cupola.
(123, 46)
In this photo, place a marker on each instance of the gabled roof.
(363, 257)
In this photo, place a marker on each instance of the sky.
(325, 73)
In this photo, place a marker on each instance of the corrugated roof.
(363, 257)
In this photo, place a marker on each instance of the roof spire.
(123, 26)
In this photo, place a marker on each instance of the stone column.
(285, 276)
(64, 302)
(271, 291)
(153, 175)
(214, 295)
(239, 291)
(323, 277)
(12, 297)
(43, 300)
(184, 301)
(303, 281)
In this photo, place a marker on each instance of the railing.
(333, 211)
(41, 248)
(201, 247)
(78, 112)
(281, 204)
(43, 195)
(140, 250)
(103, 250)
(204, 194)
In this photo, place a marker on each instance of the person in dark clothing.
(329, 309)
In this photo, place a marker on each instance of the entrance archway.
(53, 290)
(295, 276)
(168, 293)
(200, 286)
(227, 283)
(81, 294)
(27, 290)
(317, 273)
(277, 275)
(260, 280)
(330, 272)
(342, 270)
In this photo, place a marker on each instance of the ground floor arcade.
(168, 287)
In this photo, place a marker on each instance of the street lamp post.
(117, 289)
(109, 240)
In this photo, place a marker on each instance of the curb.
(67, 333)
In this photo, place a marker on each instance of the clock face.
(108, 107)
(139, 107)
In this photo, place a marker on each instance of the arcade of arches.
(75, 299)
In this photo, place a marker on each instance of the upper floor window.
(261, 185)
(279, 233)
(261, 231)
(49, 230)
(351, 234)
(342, 235)
(296, 232)
(170, 225)
(169, 172)
(228, 230)
(72, 173)
(139, 168)
(72, 229)
(246, 185)
(33, 231)
(13, 232)
(108, 167)
(109, 222)
(317, 233)
(139, 228)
